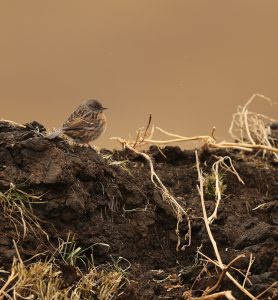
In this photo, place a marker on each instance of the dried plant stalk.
(250, 131)
(252, 128)
(213, 242)
(220, 163)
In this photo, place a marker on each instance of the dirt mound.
(108, 202)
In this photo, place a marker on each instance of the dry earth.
(102, 201)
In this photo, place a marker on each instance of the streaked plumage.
(85, 124)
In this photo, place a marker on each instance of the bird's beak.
(104, 108)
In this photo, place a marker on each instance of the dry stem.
(13, 123)
(251, 260)
(222, 275)
(215, 248)
(252, 128)
(227, 294)
(17, 207)
(220, 163)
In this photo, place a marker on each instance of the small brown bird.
(85, 124)
(273, 133)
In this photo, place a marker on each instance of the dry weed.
(17, 208)
(44, 280)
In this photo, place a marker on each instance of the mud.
(107, 200)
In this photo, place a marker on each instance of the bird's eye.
(95, 107)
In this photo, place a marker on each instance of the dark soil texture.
(108, 198)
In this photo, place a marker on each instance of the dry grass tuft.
(40, 280)
(44, 280)
(119, 163)
(17, 208)
(250, 127)
(101, 285)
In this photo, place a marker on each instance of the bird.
(273, 125)
(85, 124)
(273, 132)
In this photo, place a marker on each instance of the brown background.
(189, 63)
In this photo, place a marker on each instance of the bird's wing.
(77, 123)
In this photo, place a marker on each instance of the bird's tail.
(54, 134)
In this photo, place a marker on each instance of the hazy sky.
(189, 63)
